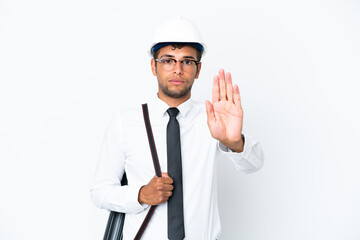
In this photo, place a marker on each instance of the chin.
(175, 93)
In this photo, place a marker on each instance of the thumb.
(210, 111)
(165, 175)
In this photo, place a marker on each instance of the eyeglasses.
(168, 64)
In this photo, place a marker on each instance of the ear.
(198, 70)
(153, 67)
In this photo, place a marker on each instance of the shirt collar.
(162, 107)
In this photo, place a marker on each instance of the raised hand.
(225, 114)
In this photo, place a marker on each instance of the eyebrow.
(189, 57)
(167, 55)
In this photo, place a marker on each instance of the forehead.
(187, 51)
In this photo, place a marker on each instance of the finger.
(168, 194)
(164, 187)
(168, 187)
(222, 84)
(237, 98)
(167, 180)
(215, 90)
(210, 111)
(229, 87)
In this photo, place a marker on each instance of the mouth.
(176, 81)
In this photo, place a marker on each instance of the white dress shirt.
(126, 148)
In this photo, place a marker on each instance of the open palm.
(225, 114)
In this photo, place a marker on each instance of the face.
(176, 83)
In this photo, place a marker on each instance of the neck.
(173, 102)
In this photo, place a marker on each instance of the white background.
(67, 66)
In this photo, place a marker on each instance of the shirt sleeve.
(106, 191)
(249, 160)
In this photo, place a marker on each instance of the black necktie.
(175, 203)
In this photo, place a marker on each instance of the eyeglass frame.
(159, 60)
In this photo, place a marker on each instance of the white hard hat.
(177, 30)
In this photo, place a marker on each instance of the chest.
(197, 149)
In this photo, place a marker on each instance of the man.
(187, 194)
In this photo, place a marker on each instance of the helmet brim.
(157, 46)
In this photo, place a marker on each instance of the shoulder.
(198, 107)
(197, 112)
(129, 115)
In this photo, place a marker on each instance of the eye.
(188, 62)
(167, 61)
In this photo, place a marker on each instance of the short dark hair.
(179, 46)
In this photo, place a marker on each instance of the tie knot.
(173, 112)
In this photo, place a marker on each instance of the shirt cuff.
(249, 160)
(132, 199)
(244, 154)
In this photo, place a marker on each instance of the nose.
(178, 69)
